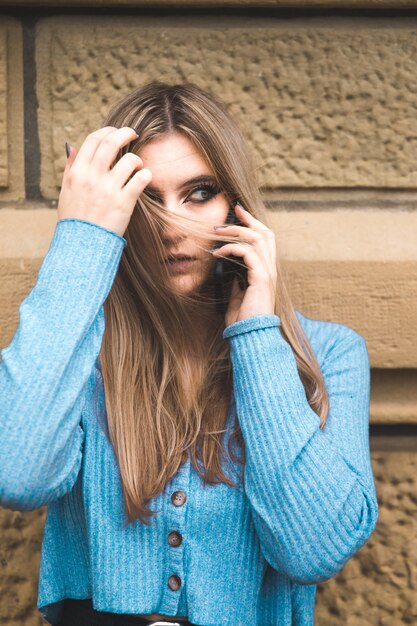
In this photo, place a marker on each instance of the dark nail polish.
(67, 149)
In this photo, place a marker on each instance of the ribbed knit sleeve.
(311, 491)
(45, 368)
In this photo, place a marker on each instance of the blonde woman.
(202, 447)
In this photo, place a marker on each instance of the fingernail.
(67, 149)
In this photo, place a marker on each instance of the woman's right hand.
(94, 191)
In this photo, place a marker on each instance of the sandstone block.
(378, 585)
(355, 267)
(302, 4)
(11, 110)
(324, 104)
(4, 161)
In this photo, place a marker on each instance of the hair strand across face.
(165, 395)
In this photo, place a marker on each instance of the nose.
(174, 206)
(171, 232)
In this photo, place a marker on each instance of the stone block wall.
(327, 99)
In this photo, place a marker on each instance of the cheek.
(205, 265)
(216, 210)
(222, 210)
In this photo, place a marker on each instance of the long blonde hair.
(147, 349)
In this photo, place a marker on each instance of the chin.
(187, 284)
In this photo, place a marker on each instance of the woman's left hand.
(258, 252)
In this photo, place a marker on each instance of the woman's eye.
(202, 194)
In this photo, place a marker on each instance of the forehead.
(171, 158)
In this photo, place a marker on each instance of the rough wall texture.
(11, 110)
(4, 153)
(21, 537)
(378, 587)
(175, 4)
(394, 396)
(322, 106)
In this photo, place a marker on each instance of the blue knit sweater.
(249, 555)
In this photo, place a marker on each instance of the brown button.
(174, 539)
(174, 582)
(178, 498)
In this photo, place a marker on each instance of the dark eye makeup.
(208, 191)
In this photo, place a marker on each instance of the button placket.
(175, 513)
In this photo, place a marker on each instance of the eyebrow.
(188, 183)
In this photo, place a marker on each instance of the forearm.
(45, 368)
(312, 508)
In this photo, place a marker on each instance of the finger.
(244, 250)
(239, 248)
(125, 167)
(137, 184)
(110, 145)
(255, 255)
(243, 232)
(247, 218)
(91, 143)
(258, 271)
(249, 257)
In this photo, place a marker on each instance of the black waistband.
(81, 613)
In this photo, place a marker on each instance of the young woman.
(202, 447)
